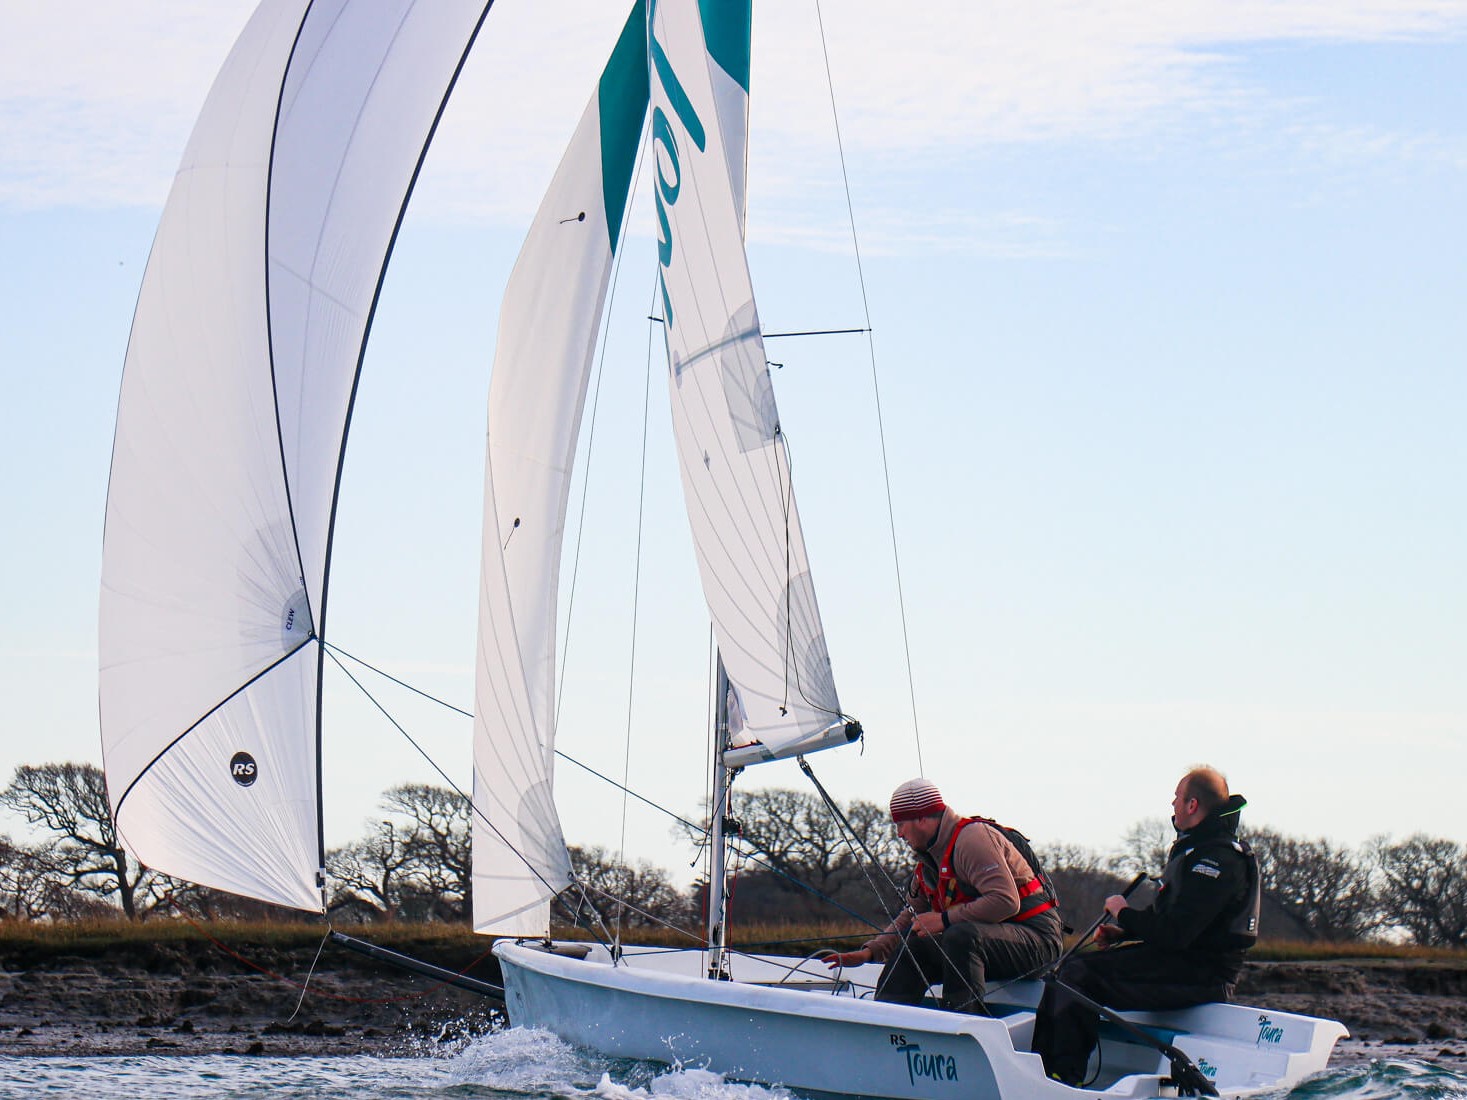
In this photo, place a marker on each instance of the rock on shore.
(196, 997)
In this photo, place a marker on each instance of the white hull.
(656, 1006)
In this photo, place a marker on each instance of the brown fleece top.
(985, 860)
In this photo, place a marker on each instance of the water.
(515, 1065)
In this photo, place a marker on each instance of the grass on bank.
(94, 933)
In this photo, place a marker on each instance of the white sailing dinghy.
(771, 1020)
(241, 370)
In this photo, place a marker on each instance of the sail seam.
(209, 714)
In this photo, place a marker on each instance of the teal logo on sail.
(665, 152)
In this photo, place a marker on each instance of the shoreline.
(193, 997)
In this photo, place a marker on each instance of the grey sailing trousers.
(965, 958)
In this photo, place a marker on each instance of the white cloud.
(975, 73)
(95, 106)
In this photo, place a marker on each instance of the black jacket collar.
(1222, 822)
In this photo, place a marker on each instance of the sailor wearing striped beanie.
(916, 798)
(979, 909)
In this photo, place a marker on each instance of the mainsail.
(237, 391)
(547, 336)
(735, 470)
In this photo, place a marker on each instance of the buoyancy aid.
(1242, 926)
(1035, 896)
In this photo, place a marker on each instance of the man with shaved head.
(1185, 948)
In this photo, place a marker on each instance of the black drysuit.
(1192, 939)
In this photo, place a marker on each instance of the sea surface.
(527, 1065)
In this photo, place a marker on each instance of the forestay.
(235, 399)
(735, 471)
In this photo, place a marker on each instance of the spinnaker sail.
(236, 395)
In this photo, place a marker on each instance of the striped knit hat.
(916, 798)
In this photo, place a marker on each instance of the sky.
(1166, 380)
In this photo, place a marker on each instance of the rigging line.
(311, 973)
(577, 920)
(475, 810)
(784, 506)
(469, 714)
(787, 501)
(783, 335)
(713, 761)
(626, 762)
(778, 963)
(814, 332)
(846, 826)
(875, 387)
(648, 915)
(693, 828)
(433, 988)
(841, 820)
(575, 915)
(570, 600)
(400, 683)
(625, 789)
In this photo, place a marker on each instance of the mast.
(717, 837)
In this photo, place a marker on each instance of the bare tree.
(433, 826)
(1144, 848)
(368, 873)
(646, 895)
(70, 801)
(800, 863)
(1082, 878)
(797, 835)
(1426, 882)
(1324, 888)
(29, 885)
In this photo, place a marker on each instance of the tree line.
(796, 864)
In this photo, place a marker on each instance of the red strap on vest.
(947, 892)
(1026, 914)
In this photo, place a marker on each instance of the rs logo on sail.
(243, 769)
(666, 153)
